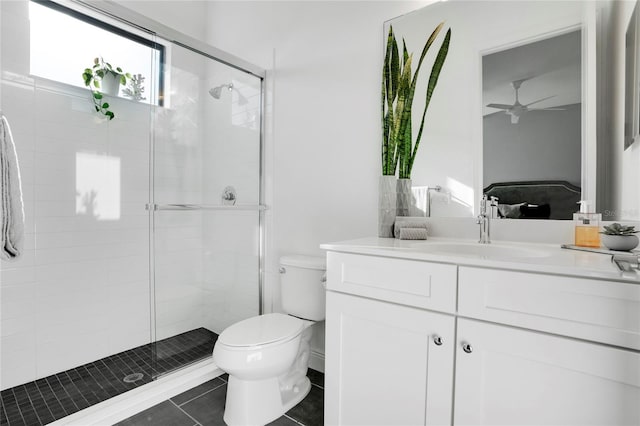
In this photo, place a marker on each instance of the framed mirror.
(452, 152)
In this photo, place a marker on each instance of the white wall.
(624, 172)
(186, 16)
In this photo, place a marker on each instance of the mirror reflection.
(531, 128)
(524, 98)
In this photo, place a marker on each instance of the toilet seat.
(261, 330)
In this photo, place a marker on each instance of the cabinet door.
(383, 366)
(513, 376)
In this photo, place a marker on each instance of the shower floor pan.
(51, 398)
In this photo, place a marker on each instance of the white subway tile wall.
(82, 288)
(80, 291)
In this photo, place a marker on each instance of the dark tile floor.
(204, 406)
(54, 397)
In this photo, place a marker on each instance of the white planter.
(386, 206)
(110, 84)
(620, 242)
(404, 197)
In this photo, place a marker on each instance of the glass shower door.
(206, 205)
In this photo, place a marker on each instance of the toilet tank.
(302, 280)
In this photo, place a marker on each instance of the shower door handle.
(156, 207)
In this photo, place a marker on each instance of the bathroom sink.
(485, 251)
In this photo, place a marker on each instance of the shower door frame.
(170, 35)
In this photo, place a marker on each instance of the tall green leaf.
(390, 82)
(433, 80)
(403, 110)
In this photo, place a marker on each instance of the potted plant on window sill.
(102, 78)
(619, 237)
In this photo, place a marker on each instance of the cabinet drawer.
(408, 282)
(596, 310)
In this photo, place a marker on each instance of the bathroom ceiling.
(551, 66)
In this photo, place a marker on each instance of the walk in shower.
(144, 233)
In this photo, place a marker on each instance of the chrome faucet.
(484, 218)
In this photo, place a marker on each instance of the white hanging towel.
(420, 202)
(11, 205)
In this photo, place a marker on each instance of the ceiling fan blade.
(547, 109)
(500, 106)
(540, 100)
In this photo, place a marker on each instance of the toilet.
(266, 356)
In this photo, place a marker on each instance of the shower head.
(217, 91)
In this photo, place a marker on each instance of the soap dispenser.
(587, 225)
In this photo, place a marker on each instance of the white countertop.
(545, 258)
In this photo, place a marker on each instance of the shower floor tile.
(204, 406)
(51, 398)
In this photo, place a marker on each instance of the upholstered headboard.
(561, 197)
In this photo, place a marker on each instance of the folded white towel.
(408, 222)
(11, 205)
(413, 234)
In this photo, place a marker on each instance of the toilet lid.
(261, 330)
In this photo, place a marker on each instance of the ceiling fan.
(517, 109)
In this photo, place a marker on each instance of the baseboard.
(316, 361)
(134, 401)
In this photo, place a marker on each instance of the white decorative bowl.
(620, 242)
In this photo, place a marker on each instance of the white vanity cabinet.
(387, 363)
(413, 342)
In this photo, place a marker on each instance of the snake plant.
(398, 91)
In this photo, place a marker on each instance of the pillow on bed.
(510, 211)
(535, 211)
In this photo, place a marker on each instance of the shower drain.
(130, 378)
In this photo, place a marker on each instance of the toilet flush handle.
(282, 270)
(323, 280)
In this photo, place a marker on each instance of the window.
(64, 42)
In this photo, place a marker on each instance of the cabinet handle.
(437, 340)
(467, 348)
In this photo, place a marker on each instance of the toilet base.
(258, 402)
(292, 397)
